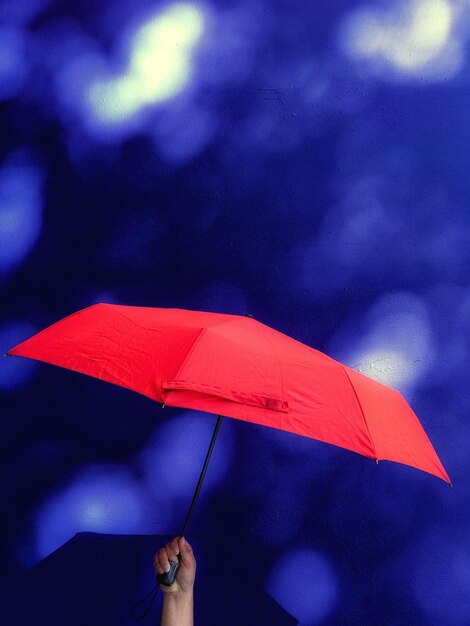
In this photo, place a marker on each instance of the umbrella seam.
(362, 412)
(190, 351)
(273, 347)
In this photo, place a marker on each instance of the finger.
(163, 560)
(186, 552)
(174, 545)
(172, 550)
(156, 564)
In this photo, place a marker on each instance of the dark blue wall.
(303, 162)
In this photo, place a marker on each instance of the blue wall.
(303, 162)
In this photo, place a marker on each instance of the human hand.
(186, 574)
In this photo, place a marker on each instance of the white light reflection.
(161, 76)
(101, 498)
(160, 65)
(391, 343)
(406, 39)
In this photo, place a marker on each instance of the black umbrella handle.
(168, 578)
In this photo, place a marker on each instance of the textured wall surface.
(303, 162)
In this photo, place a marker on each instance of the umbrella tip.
(6, 354)
(249, 315)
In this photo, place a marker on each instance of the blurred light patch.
(101, 498)
(14, 371)
(449, 313)
(407, 39)
(172, 461)
(184, 132)
(228, 54)
(351, 239)
(21, 203)
(13, 65)
(103, 296)
(361, 225)
(70, 59)
(449, 305)
(306, 585)
(441, 577)
(160, 65)
(391, 343)
(314, 270)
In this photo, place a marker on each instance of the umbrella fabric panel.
(395, 429)
(126, 346)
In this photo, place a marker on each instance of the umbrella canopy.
(237, 367)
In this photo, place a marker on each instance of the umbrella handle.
(168, 578)
(162, 579)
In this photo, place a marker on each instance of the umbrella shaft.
(203, 473)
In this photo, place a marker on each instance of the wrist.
(180, 595)
(178, 608)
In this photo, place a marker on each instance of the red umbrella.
(237, 367)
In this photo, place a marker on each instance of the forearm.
(177, 609)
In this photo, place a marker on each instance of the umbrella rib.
(362, 412)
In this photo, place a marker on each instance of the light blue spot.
(305, 584)
(21, 201)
